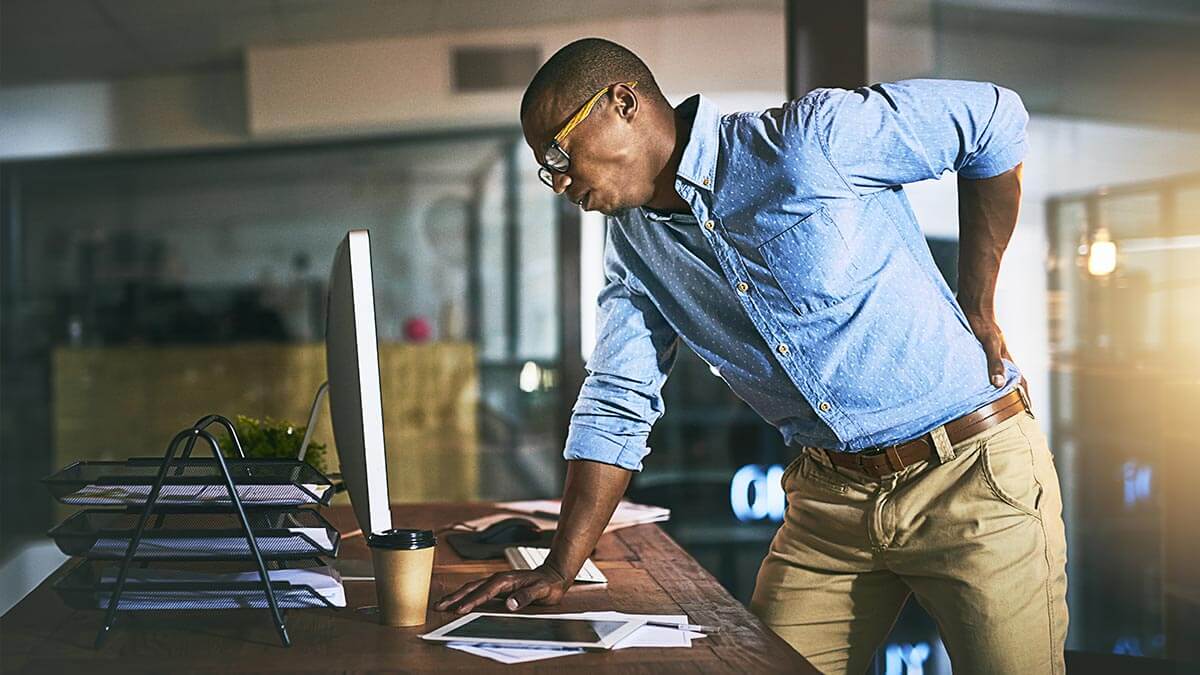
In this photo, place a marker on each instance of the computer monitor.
(352, 366)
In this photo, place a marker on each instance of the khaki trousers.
(976, 533)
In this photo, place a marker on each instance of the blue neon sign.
(755, 493)
(906, 659)
(1136, 478)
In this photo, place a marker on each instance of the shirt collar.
(698, 165)
(660, 217)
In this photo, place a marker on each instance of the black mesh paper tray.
(83, 587)
(190, 482)
(280, 534)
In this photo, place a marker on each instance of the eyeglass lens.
(554, 158)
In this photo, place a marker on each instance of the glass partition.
(1125, 376)
(143, 293)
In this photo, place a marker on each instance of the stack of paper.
(191, 547)
(628, 514)
(646, 636)
(544, 514)
(131, 494)
(324, 580)
(284, 495)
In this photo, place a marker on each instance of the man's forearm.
(590, 495)
(987, 215)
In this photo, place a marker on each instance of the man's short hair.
(584, 67)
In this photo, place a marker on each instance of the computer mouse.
(508, 531)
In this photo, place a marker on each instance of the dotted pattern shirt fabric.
(801, 274)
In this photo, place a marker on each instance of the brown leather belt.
(879, 462)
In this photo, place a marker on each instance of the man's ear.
(625, 101)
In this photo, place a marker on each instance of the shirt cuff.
(597, 445)
(995, 163)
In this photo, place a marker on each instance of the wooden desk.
(647, 573)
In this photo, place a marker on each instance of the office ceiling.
(1096, 58)
(64, 40)
(371, 166)
(57, 40)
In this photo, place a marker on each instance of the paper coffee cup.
(403, 568)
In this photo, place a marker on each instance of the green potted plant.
(269, 438)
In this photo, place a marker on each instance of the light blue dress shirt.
(801, 275)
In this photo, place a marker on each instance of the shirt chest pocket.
(811, 262)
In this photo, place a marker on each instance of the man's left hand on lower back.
(988, 332)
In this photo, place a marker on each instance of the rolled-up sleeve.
(621, 396)
(903, 132)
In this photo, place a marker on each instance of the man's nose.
(561, 181)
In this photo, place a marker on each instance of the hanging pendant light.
(1102, 254)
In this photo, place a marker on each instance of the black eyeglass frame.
(555, 158)
(548, 168)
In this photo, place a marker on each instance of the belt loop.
(1025, 399)
(819, 455)
(942, 445)
(893, 458)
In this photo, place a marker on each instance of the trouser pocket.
(791, 469)
(1008, 465)
(812, 474)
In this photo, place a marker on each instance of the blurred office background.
(176, 175)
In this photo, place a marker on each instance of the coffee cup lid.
(401, 539)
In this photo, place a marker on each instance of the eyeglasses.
(555, 158)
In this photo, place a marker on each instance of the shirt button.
(824, 406)
(706, 182)
(743, 287)
(782, 349)
(708, 225)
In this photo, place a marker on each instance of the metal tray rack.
(90, 583)
(209, 509)
(193, 483)
(282, 534)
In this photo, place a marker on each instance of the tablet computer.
(536, 631)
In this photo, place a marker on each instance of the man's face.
(609, 171)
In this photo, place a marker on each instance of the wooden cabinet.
(117, 402)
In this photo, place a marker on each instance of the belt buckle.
(870, 469)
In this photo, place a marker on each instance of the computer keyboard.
(529, 557)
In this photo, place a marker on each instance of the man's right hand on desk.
(542, 585)
(590, 496)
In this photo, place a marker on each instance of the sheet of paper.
(133, 600)
(655, 636)
(317, 577)
(509, 655)
(264, 494)
(201, 546)
(627, 513)
(324, 580)
(318, 490)
(130, 494)
(485, 522)
(138, 494)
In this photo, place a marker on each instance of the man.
(780, 247)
